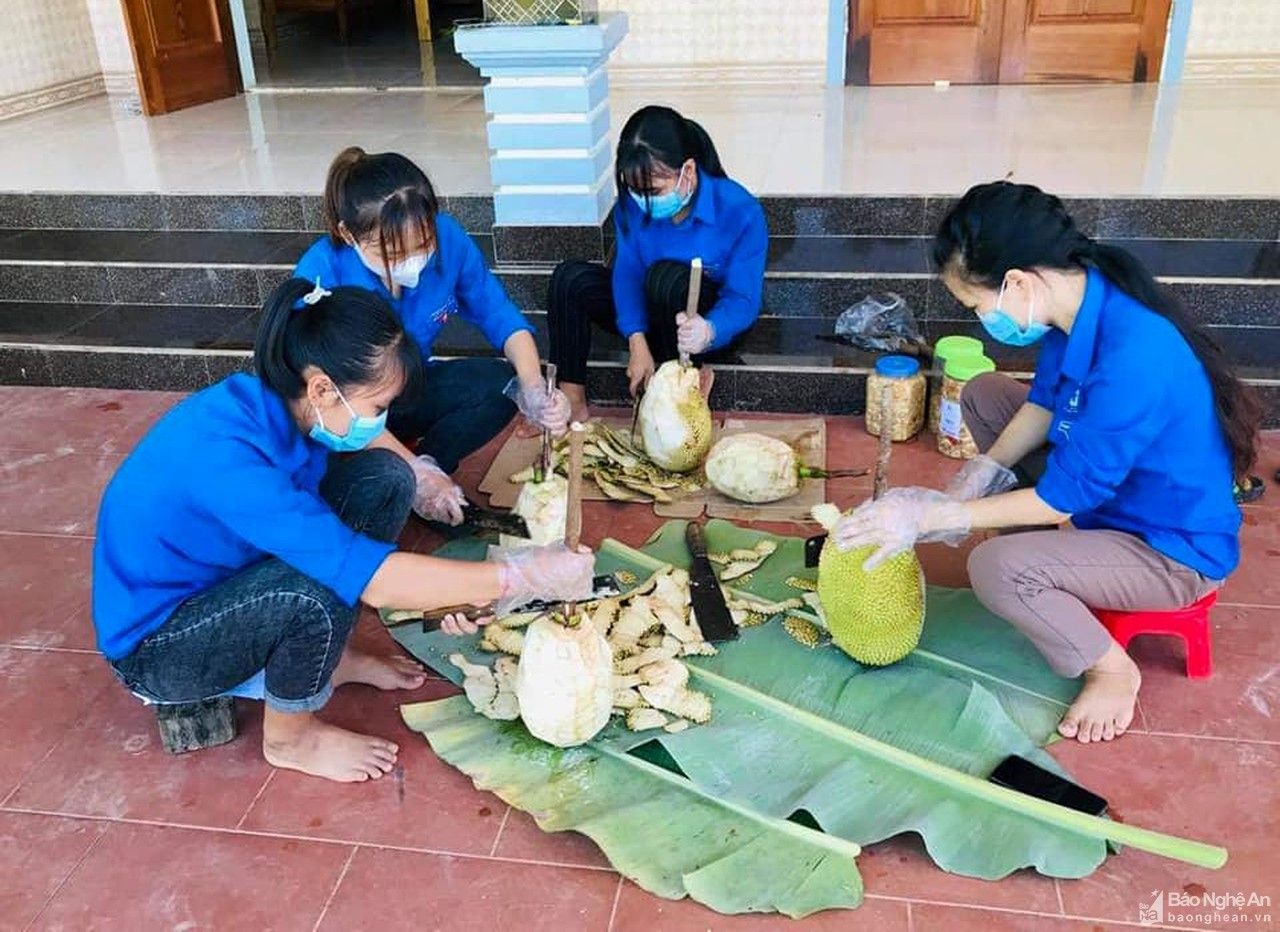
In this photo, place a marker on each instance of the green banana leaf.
(862, 753)
(657, 827)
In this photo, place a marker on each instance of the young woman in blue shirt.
(1133, 430)
(675, 203)
(388, 234)
(231, 543)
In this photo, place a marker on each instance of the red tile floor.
(100, 829)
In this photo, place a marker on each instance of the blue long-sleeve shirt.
(1136, 441)
(223, 481)
(725, 227)
(455, 281)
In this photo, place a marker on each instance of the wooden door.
(183, 50)
(922, 41)
(1083, 40)
(1005, 41)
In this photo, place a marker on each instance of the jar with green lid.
(901, 377)
(943, 350)
(954, 439)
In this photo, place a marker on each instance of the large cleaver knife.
(704, 590)
(490, 519)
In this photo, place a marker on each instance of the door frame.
(849, 60)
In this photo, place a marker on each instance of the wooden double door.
(1005, 41)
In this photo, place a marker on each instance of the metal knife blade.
(813, 549)
(704, 590)
(489, 519)
(602, 587)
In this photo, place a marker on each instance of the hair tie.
(316, 294)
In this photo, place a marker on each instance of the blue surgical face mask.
(1005, 329)
(664, 206)
(358, 436)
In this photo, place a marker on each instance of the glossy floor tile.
(1076, 140)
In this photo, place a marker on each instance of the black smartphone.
(1018, 773)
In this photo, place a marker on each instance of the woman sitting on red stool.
(1133, 430)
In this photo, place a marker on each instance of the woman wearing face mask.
(1132, 430)
(675, 203)
(387, 234)
(230, 543)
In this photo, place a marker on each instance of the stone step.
(1213, 301)
(788, 255)
(816, 215)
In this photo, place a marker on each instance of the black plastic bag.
(880, 323)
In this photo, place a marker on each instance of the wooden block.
(193, 726)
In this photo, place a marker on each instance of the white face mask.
(404, 273)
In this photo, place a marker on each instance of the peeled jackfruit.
(753, 468)
(674, 419)
(545, 509)
(875, 617)
(565, 681)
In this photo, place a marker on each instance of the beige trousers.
(1045, 582)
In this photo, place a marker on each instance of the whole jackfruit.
(674, 419)
(877, 617)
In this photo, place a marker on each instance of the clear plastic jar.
(954, 439)
(943, 350)
(901, 375)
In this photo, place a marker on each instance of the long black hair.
(1001, 226)
(384, 195)
(351, 334)
(660, 138)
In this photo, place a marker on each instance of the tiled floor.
(1098, 140)
(100, 829)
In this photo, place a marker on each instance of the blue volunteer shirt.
(455, 281)
(1136, 441)
(223, 481)
(725, 227)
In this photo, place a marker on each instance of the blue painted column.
(548, 105)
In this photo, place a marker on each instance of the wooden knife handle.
(695, 295)
(696, 539)
(573, 514)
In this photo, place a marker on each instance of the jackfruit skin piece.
(802, 630)
(876, 618)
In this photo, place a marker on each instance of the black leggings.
(581, 294)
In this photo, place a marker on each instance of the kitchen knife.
(704, 590)
(489, 519)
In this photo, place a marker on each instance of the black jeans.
(459, 408)
(581, 294)
(269, 616)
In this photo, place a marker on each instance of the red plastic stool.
(1190, 623)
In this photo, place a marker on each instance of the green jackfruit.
(877, 617)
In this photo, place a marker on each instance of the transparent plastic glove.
(980, 477)
(552, 572)
(437, 498)
(549, 410)
(900, 520)
(693, 334)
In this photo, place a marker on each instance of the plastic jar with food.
(902, 377)
(944, 349)
(954, 439)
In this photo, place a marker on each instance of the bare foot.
(383, 672)
(300, 741)
(706, 378)
(1104, 709)
(577, 395)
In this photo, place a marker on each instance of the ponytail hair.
(659, 138)
(351, 334)
(383, 197)
(1001, 226)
